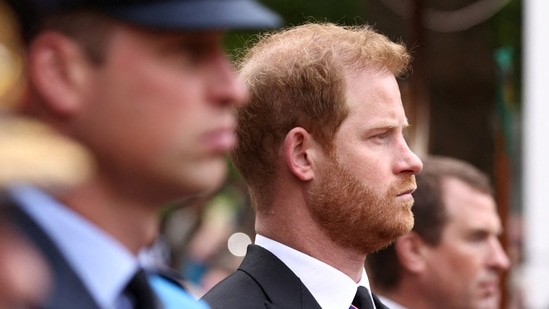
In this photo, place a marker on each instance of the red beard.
(354, 216)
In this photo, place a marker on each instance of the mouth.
(490, 289)
(407, 192)
(221, 139)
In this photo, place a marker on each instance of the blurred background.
(467, 97)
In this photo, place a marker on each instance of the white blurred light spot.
(238, 242)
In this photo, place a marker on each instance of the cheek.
(158, 101)
(165, 91)
(144, 78)
(449, 273)
(366, 166)
(462, 259)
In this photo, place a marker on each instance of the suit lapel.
(67, 290)
(378, 303)
(282, 287)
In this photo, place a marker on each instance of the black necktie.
(139, 292)
(362, 299)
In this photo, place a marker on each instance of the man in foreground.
(147, 88)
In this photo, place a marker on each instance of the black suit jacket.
(66, 290)
(263, 281)
(378, 303)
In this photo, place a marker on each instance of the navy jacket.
(67, 290)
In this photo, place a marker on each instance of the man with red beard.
(322, 149)
(452, 258)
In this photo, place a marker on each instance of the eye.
(198, 53)
(192, 55)
(381, 137)
(190, 52)
(478, 236)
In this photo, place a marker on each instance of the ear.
(298, 152)
(58, 68)
(410, 250)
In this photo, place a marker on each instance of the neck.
(133, 223)
(409, 295)
(292, 225)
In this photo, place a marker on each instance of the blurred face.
(464, 269)
(159, 112)
(366, 184)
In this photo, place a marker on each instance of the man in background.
(452, 258)
(322, 149)
(146, 87)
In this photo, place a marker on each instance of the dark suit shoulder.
(237, 291)
(261, 281)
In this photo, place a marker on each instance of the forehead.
(373, 97)
(468, 207)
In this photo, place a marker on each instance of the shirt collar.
(104, 271)
(390, 303)
(330, 287)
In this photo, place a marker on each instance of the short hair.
(296, 78)
(89, 27)
(430, 214)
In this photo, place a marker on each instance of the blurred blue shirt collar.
(103, 264)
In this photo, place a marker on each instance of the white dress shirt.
(331, 288)
(390, 303)
(101, 262)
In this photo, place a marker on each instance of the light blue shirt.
(102, 263)
(330, 287)
(174, 297)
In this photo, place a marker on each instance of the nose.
(227, 89)
(498, 259)
(408, 161)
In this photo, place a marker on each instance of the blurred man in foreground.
(147, 88)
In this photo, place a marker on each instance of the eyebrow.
(385, 125)
(483, 229)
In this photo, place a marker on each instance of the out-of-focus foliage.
(508, 33)
(296, 12)
(508, 24)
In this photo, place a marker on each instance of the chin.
(213, 181)
(388, 234)
(401, 227)
(400, 222)
(488, 303)
(408, 224)
(406, 218)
